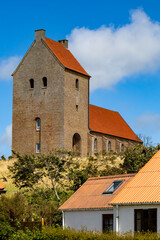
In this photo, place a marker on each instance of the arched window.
(44, 79)
(31, 82)
(109, 146)
(95, 144)
(38, 124)
(122, 147)
(77, 84)
(77, 143)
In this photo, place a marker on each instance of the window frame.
(38, 147)
(107, 191)
(103, 222)
(149, 219)
(38, 126)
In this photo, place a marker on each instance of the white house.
(137, 206)
(121, 203)
(88, 208)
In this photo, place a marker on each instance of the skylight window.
(113, 187)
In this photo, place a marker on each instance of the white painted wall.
(88, 220)
(126, 217)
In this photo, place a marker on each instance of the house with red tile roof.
(124, 203)
(89, 208)
(137, 205)
(51, 107)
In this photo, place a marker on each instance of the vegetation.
(59, 234)
(44, 182)
(136, 157)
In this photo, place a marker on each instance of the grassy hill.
(5, 175)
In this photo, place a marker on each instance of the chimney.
(39, 34)
(64, 42)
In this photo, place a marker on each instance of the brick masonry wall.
(76, 121)
(45, 103)
(102, 142)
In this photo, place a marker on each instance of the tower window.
(95, 144)
(37, 147)
(44, 79)
(31, 81)
(38, 124)
(77, 108)
(77, 84)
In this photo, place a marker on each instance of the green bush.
(59, 234)
(5, 230)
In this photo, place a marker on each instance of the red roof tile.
(90, 194)
(1, 186)
(65, 56)
(144, 187)
(110, 122)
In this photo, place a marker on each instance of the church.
(51, 107)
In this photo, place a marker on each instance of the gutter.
(132, 204)
(86, 209)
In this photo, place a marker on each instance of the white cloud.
(6, 137)
(110, 54)
(7, 66)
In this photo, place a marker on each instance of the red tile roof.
(1, 186)
(144, 187)
(90, 194)
(110, 122)
(65, 56)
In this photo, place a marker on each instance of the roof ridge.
(112, 176)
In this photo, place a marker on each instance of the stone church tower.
(50, 99)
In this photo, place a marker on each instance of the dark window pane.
(107, 222)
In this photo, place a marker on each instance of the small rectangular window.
(107, 221)
(37, 147)
(77, 108)
(38, 124)
(44, 82)
(31, 83)
(113, 187)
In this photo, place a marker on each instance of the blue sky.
(117, 42)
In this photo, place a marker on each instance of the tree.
(29, 170)
(94, 166)
(136, 157)
(147, 141)
(61, 170)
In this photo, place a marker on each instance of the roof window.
(113, 187)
